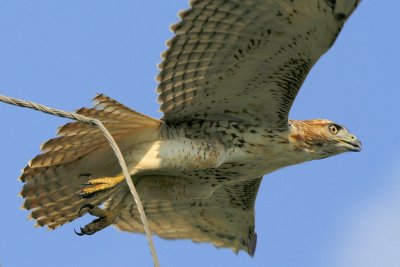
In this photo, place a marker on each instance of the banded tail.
(54, 179)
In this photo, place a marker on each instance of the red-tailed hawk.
(226, 85)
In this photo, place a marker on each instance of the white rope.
(114, 146)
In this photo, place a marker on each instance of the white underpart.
(183, 154)
(176, 154)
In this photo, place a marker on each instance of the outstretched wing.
(245, 59)
(225, 219)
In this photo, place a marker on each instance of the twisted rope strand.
(112, 143)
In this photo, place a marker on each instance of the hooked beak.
(353, 144)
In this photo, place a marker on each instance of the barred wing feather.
(245, 60)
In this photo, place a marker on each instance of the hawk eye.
(333, 128)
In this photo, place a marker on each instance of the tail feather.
(110, 105)
(68, 141)
(65, 210)
(62, 156)
(54, 178)
(77, 139)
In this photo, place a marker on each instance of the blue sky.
(342, 211)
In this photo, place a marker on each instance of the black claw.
(90, 233)
(79, 233)
(91, 195)
(103, 220)
(85, 206)
(84, 232)
(85, 175)
(84, 195)
(87, 196)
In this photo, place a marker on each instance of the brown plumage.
(227, 83)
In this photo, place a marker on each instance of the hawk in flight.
(226, 86)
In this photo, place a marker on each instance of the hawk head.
(322, 138)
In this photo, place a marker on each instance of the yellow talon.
(97, 185)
